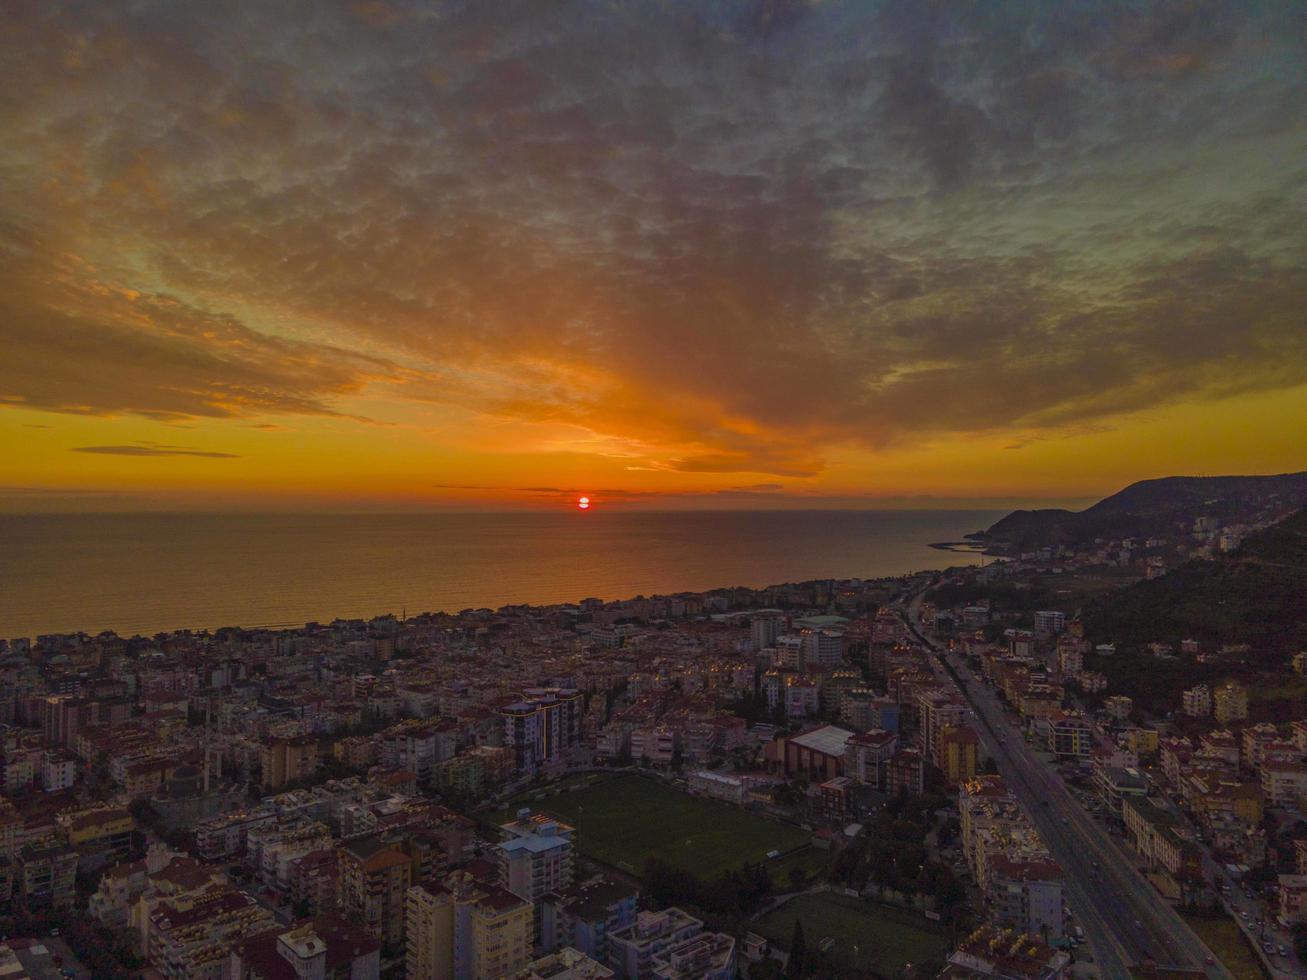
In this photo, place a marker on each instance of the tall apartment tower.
(764, 629)
(542, 728)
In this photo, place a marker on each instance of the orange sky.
(834, 255)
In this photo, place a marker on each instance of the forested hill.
(1256, 595)
(1145, 509)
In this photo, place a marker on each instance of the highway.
(1125, 921)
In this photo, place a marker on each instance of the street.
(1125, 921)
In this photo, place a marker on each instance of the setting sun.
(584, 503)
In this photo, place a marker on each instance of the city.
(630, 490)
(927, 775)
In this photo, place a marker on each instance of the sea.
(147, 573)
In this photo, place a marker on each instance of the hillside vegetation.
(1257, 596)
(1144, 509)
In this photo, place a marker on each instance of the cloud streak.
(153, 451)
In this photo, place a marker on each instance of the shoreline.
(961, 547)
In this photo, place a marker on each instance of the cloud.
(715, 239)
(153, 451)
(58, 491)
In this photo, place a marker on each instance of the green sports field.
(625, 820)
(864, 936)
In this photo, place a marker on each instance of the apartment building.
(287, 759)
(634, 948)
(374, 880)
(1230, 703)
(1196, 702)
(194, 943)
(566, 964)
(584, 916)
(534, 858)
(707, 956)
(326, 947)
(1027, 895)
(1284, 783)
(957, 753)
(466, 929)
(866, 755)
(1070, 737)
(542, 728)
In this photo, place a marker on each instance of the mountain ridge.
(1142, 509)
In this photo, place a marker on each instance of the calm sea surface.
(147, 573)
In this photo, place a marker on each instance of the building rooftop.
(828, 740)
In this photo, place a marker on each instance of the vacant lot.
(1224, 938)
(866, 936)
(627, 819)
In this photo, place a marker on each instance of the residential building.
(1070, 737)
(1292, 906)
(46, 876)
(866, 754)
(634, 948)
(1196, 702)
(535, 858)
(566, 964)
(707, 956)
(194, 942)
(957, 754)
(288, 759)
(1027, 895)
(466, 928)
(542, 728)
(995, 953)
(326, 947)
(1230, 703)
(1284, 783)
(905, 772)
(1049, 622)
(1118, 707)
(584, 915)
(374, 879)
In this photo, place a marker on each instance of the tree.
(798, 952)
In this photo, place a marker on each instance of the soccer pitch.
(625, 820)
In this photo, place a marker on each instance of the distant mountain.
(1144, 509)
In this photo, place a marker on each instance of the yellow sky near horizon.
(340, 463)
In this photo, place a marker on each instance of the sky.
(755, 254)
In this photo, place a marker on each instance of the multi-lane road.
(1125, 921)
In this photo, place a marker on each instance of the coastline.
(962, 547)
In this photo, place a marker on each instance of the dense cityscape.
(952, 774)
(629, 490)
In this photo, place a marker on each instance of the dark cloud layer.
(154, 449)
(733, 235)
